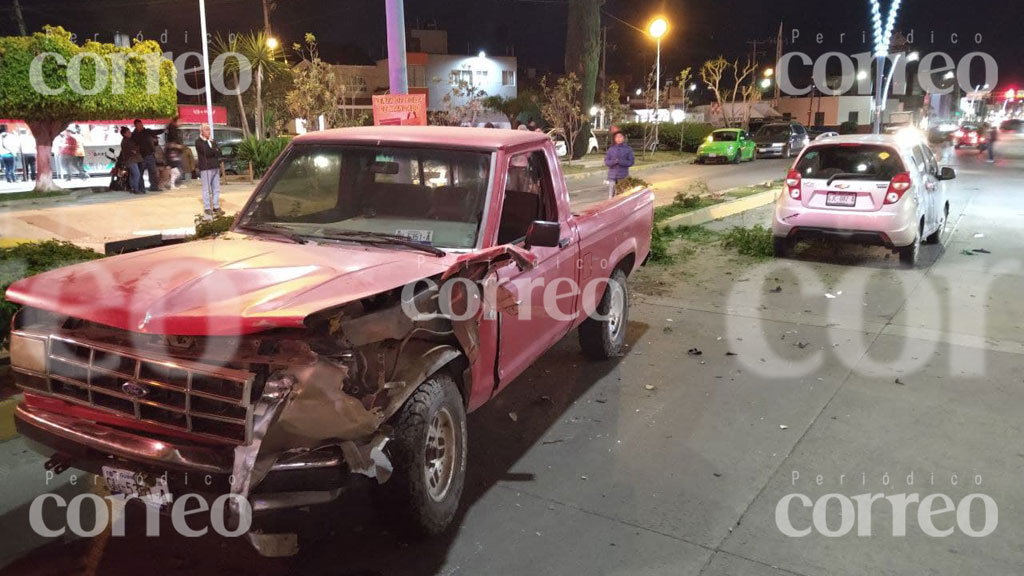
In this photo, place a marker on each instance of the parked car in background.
(781, 139)
(562, 149)
(1011, 138)
(825, 135)
(229, 158)
(727, 145)
(969, 136)
(878, 190)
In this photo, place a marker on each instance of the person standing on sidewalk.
(208, 153)
(69, 155)
(174, 152)
(8, 147)
(28, 156)
(133, 160)
(144, 138)
(618, 159)
(993, 135)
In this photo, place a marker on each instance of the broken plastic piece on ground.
(900, 382)
(513, 416)
(980, 251)
(776, 290)
(649, 387)
(695, 352)
(783, 427)
(830, 296)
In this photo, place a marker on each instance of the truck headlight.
(28, 353)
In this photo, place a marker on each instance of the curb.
(74, 196)
(719, 211)
(583, 175)
(7, 430)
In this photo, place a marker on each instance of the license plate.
(841, 199)
(148, 488)
(712, 155)
(764, 149)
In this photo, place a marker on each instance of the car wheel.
(936, 236)
(428, 453)
(909, 254)
(604, 338)
(700, 160)
(738, 157)
(782, 247)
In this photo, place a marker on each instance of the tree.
(266, 62)
(317, 91)
(462, 104)
(715, 73)
(615, 111)
(561, 108)
(513, 108)
(582, 55)
(112, 83)
(19, 19)
(236, 68)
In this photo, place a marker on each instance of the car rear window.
(723, 136)
(867, 161)
(773, 131)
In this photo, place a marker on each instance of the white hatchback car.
(882, 190)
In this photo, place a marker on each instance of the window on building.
(819, 118)
(481, 78)
(418, 76)
(508, 77)
(854, 117)
(462, 76)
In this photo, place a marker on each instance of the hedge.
(691, 133)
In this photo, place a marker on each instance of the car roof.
(894, 140)
(729, 130)
(441, 136)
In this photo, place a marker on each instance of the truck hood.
(229, 286)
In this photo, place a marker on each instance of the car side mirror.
(543, 234)
(947, 173)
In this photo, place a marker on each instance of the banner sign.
(400, 110)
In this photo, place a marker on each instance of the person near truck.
(208, 156)
(8, 146)
(144, 138)
(72, 156)
(131, 157)
(618, 159)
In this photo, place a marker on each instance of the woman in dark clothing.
(618, 159)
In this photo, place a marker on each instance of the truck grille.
(200, 399)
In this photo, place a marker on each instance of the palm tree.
(233, 67)
(266, 61)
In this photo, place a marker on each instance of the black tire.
(910, 254)
(604, 339)
(783, 247)
(416, 504)
(700, 160)
(936, 236)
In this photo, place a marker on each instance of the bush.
(659, 247)
(756, 242)
(29, 259)
(691, 134)
(261, 153)
(206, 228)
(848, 127)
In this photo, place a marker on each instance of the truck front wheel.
(603, 337)
(428, 453)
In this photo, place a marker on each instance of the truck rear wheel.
(603, 338)
(428, 453)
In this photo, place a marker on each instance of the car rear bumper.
(770, 152)
(885, 228)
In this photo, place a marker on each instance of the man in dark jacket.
(133, 160)
(618, 159)
(144, 137)
(208, 160)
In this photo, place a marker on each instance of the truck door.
(547, 295)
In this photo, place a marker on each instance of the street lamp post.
(657, 29)
(206, 65)
(883, 37)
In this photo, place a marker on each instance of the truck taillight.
(897, 187)
(793, 184)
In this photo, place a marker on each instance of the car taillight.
(793, 184)
(959, 133)
(897, 187)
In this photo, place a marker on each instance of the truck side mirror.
(947, 173)
(543, 234)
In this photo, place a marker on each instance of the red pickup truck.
(379, 284)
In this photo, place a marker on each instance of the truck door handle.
(564, 242)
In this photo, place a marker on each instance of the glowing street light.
(913, 56)
(766, 83)
(482, 54)
(272, 43)
(657, 29)
(769, 72)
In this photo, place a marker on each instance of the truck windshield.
(430, 196)
(865, 161)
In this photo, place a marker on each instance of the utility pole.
(19, 18)
(778, 58)
(398, 74)
(604, 58)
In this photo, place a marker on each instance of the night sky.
(535, 29)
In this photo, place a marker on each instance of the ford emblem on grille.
(134, 389)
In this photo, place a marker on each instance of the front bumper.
(769, 152)
(310, 478)
(894, 229)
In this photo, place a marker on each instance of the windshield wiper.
(379, 238)
(849, 176)
(275, 229)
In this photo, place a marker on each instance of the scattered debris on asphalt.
(694, 352)
(718, 474)
(802, 345)
(830, 296)
(980, 251)
(783, 427)
(731, 354)
(979, 235)
(967, 252)
(513, 416)
(650, 387)
(900, 382)
(776, 290)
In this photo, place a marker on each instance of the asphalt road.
(900, 372)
